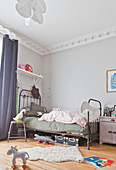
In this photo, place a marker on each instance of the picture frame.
(111, 80)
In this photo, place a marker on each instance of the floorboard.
(104, 150)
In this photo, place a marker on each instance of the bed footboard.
(95, 134)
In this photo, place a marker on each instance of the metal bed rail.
(27, 99)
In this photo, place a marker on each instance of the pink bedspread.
(66, 116)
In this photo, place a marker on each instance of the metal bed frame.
(27, 99)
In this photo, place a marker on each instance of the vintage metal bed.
(90, 133)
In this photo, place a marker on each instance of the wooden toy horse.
(18, 154)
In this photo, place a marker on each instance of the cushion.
(31, 113)
(94, 112)
(37, 108)
(86, 105)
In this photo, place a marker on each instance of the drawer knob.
(109, 131)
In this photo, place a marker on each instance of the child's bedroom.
(57, 84)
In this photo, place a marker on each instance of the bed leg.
(88, 148)
(88, 133)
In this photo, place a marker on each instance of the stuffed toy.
(44, 139)
(28, 68)
(35, 92)
(22, 66)
(20, 115)
(57, 109)
(18, 154)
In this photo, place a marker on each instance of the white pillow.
(94, 112)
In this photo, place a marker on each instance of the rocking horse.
(18, 154)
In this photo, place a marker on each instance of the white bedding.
(68, 116)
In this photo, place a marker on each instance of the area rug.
(55, 154)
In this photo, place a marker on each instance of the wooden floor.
(106, 151)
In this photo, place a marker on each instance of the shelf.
(30, 74)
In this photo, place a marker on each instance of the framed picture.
(111, 80)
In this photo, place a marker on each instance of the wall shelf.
(36, 77)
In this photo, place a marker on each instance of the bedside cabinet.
(108, 130)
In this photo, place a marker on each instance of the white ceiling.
(64, 20)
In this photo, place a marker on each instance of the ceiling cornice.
(4, 29)
(82, 40)
(78, 41)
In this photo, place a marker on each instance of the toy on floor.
(20, 115)
(44, 139)
(18, 154)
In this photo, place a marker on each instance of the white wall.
(27, 56)
(77, 74)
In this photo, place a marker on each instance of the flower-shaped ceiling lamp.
(31, 9)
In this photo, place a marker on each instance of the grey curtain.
(8, 78)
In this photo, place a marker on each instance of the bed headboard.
(100, 106)
(25, 99)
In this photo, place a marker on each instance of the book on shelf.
(99, 161)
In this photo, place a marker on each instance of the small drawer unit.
(60, 139)
(108, 130)
(72, 141)
(67, 140)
